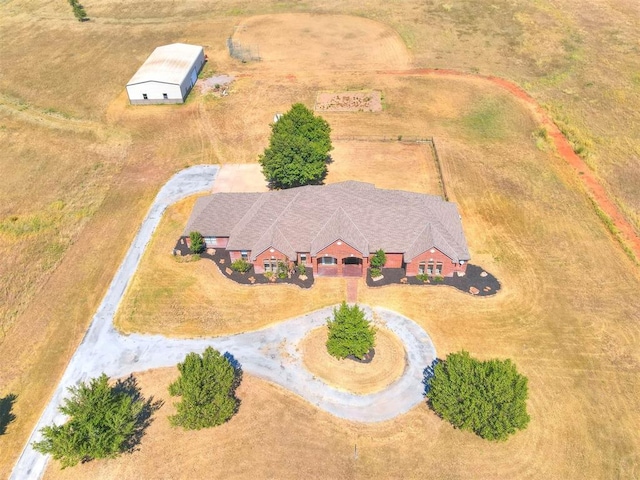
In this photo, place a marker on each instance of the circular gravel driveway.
(269, 353)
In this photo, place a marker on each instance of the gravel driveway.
(269, 353)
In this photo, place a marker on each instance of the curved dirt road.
(593, 185)
(270, 353)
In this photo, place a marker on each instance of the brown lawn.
(81, 168)
(387, 365)
(412, 164)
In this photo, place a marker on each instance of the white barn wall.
(176, 91)
(154, 91)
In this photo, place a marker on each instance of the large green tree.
(350, 333)
(485, 397)
(207, 386)
(104, 421)
(298, 151)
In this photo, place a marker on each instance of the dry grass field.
(80, 168)
(414, 167)
(387, 366)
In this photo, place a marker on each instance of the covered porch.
(329, 266)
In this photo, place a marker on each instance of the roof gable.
(340, 227)
(308, 219)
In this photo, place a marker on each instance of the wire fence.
(405, 139)
(243, 53)
(384, 138)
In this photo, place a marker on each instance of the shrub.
(240, 265)
(298, 151)
(438, 279)
(375, 272)
(302, 269)
(282, 271)
(197, 242)
(103, 421)
(379, 259)
(78, 10)
(349, 333)
(487, 398)
(268, 275)
(423, 277)
(207, 386)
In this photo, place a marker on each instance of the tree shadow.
(6, 415)
(237, 367)
(428, 373)
(129, 386)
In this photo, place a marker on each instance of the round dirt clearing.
(295, 42)
(387, 365)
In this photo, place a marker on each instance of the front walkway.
(352, 290)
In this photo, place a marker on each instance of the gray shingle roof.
(307, 219)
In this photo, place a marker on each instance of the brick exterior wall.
(237, 255)
(220, 242)
(448, 267)
(308, 262)
(340, 252)
(394, 260)
(258, 265)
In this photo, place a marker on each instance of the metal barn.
(167, 76)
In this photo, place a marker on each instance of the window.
(430, 268)
(303, 258)
(328, 261)
(165, 96)
(210, 241)
(144, 96)
(270, 265)
(439, 268)
(244, 255)
(421, 267)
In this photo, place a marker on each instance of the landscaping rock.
(221, 261)
(474, 290)
(403, 280)
(211, 251)
(487, 289)
(228, 271)
(303, 277)
(252, 280)
(377, 279)
(483, 274)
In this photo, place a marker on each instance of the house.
(167, 76)
(334, 229)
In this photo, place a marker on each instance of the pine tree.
(207, 386)
(350, 333)
(488, 398)
(102, 423)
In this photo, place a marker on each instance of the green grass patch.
(541, 138)
(486, 121)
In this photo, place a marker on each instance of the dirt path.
(594, 187)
